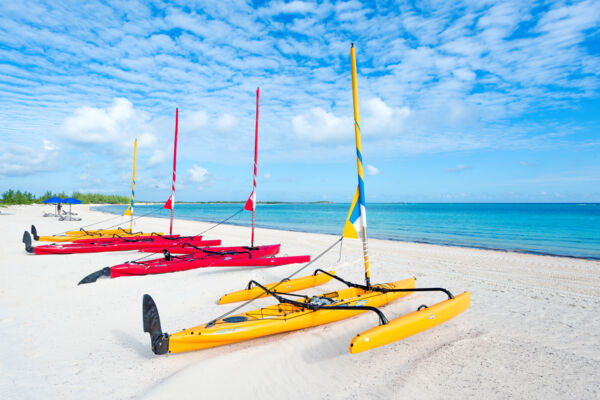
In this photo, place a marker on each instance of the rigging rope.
(201, 233)
(111, 218)
(222, 222)
(277, 284)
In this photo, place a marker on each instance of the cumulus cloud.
(114, 123)
(193, 121)
(319, 126)
(226, 123)
(292, 7)
(158, 157)
(19, 160)
(197, 174)
(462, 75)
(371, 170)
(382, 119)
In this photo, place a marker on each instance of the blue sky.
(460, 101)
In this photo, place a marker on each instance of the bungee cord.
(278, 283)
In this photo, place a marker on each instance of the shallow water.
(559, 229)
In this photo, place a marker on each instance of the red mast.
(170, 204)
(251, 203)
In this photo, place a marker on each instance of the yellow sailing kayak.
(73, 236)
(271, 320)
(60, 238)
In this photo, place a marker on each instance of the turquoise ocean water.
(559, 229)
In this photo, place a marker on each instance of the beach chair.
(68, 218)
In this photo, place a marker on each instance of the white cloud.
(158, 157)
(198, 174)
(267, 176)
(319, 126)
(371, 170)
(293, 7)
(18, 160)
(381, 119)
(49, 146)
(113, 124)
(193, 121)
(464, 74)
(226, 123)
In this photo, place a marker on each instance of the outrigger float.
(198, 257)
(295, 311)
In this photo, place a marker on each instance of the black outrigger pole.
(383, 289)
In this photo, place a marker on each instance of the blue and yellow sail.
(129, 210)
(356, 222)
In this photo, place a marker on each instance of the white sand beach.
(532, 330)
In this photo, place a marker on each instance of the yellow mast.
(356, 223)
(129, 210)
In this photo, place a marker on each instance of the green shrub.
(17, 197)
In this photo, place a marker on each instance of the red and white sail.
(170, 204)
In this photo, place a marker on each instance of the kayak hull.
(281, 318)
(245, 257)
(118, 245)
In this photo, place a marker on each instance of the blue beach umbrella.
(54, 200)
(70, 201)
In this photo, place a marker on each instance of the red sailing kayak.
(112, 238)
(116, 244)
(202, 258)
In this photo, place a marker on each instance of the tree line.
(18, 197)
